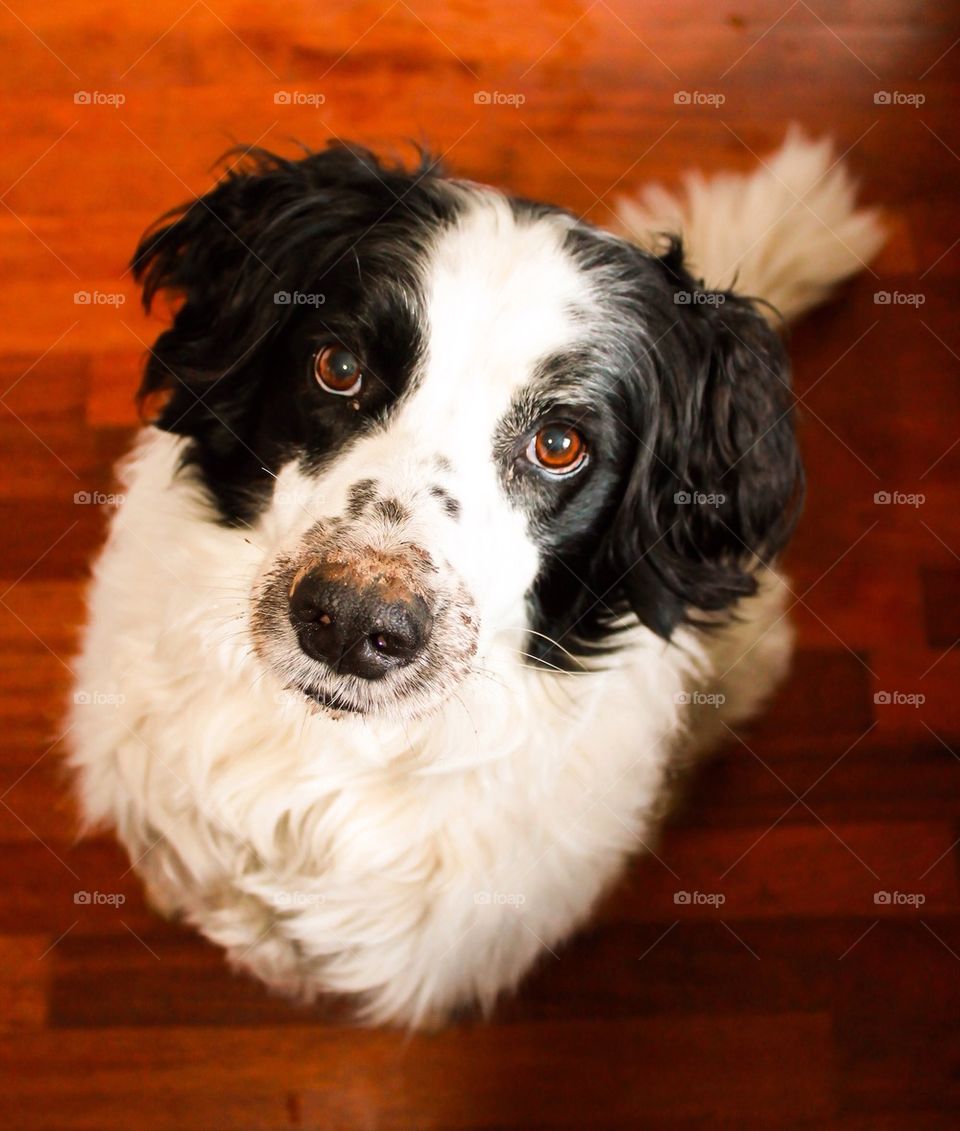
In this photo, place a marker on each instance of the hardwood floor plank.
(799, 1002)
(459, 1079)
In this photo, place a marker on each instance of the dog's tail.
(787, 233)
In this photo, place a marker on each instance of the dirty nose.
(364, 630)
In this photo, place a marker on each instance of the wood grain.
(797, 1001)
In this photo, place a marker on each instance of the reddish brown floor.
(802, 1002)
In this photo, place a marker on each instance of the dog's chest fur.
(421, 864)
(422, 593)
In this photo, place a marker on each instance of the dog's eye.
(338, 371)
(557, 449)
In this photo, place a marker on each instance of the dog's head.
(460, 421)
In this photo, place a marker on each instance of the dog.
(449, 540)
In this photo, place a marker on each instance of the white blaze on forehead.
(500, 295)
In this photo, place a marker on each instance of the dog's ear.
(230, 260)
(212, 261)
(716, 480)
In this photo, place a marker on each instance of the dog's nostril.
(306, 606)
(402, 643)
(388, 645)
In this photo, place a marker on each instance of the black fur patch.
(685, 397)
(692, 477)
(449, 503)
(392, 510)
(279, 259)
(360, 495)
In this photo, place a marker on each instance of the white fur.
(423, 861)
(787, 232)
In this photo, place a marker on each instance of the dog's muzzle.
(362, 624)
(359, 617)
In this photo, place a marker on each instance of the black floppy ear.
(231, 259)
(204, 257)
(717, 481)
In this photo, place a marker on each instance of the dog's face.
(458, 422)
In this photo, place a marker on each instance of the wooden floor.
(804, 1000)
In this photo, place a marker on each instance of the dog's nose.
(363, 630)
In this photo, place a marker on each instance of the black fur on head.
(337, 226)
(696, 392)
(694, 480)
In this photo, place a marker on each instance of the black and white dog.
(450, 539)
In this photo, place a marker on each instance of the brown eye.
(558, 449)
(338, 371)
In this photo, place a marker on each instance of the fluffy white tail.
(788, 232)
